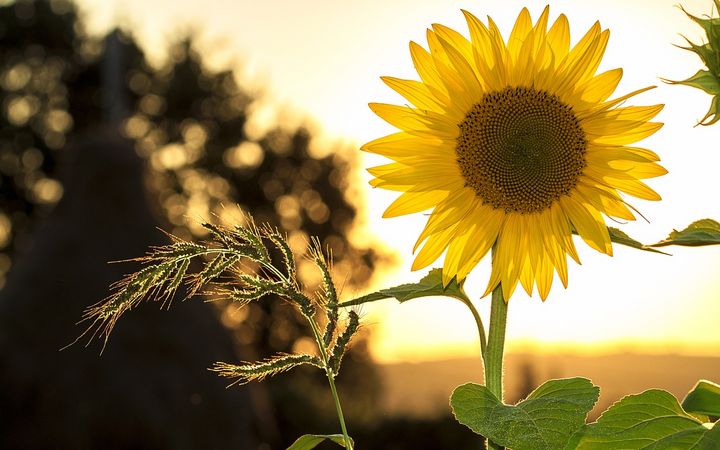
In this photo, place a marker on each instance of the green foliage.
(235, 265)
(707, 80)
(342, 341)
(651, 420)
(620, 237)
(703, 399)
(543, 421)
(259, 370)
(428, 286)
(310, 441)
(699, 233)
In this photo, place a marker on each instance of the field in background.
(422, 389)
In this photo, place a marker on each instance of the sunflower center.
(521, 149)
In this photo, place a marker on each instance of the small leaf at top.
(698, 233)
(651, 420)
(430, 285)
(543, 421)
(310, 441)
(703, 399)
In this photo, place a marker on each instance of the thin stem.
(495, 349)
(331, 380)
(346, 437)
(479, 324)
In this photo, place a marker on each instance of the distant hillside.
(422, 389)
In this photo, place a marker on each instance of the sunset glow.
(322, 59)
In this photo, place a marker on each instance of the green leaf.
(620, 237)
(310, 441)
(430, 285)
(701, 232)
(543, 421)
(710, 440)
(703, 399)
(651, 420)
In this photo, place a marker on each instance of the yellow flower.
(515, 146)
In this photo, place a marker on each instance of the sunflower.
(514, 146)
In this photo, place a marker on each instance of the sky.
(322, 59)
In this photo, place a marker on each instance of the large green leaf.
(703, 399)
(651, 420)
(430, 285)
(310, 441)
(543, 421)
(698, 233)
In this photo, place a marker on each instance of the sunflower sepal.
(709, 54)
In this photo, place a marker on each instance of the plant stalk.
(331, 381)
(496, 348)
(479, 324)
(346, 437)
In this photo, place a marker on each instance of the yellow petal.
(488, 222)
(522, 27)
(559, 37)
(527, 277)
(588, 223)
(636, 188)
(600, 87)
(449, 212)
(433, 248)
(416, 92)
(425, 67)
(414, 121)
(414, 202)
(453, 258)
(404, 145)
(544, 277)
(472, 89)
(620, 120)
(604, 200)
(636, 134)
(455, 39)
(484, 53)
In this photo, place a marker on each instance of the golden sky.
(322, 58)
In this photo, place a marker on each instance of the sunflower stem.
(495, 349)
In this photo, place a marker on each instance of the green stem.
(346, 437)
(331, 380)
(496, 347)
(479, 324)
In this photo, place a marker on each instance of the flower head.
(515, 146)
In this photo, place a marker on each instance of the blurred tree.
(189, 123)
